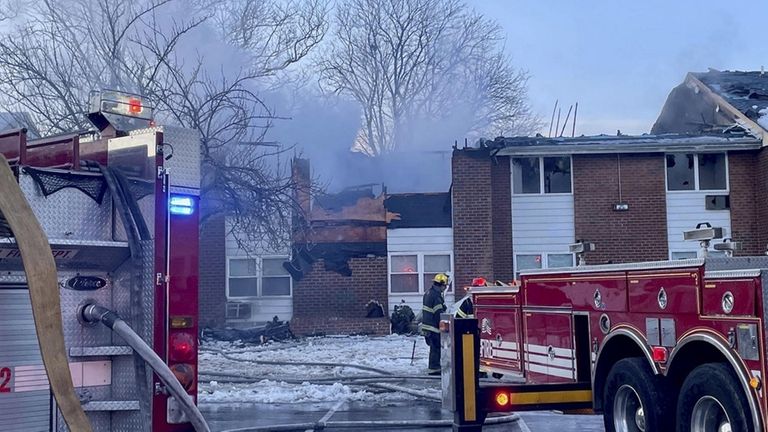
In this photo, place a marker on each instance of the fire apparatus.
(654, 346)
(119, 209)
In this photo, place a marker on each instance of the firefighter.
(466, 308)
(434, 305)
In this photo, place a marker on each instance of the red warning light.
(134, 106)
(659, 354)
(476, 282)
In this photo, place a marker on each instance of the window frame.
(696, 175)
(420, 271)
(258, 276)
(544, 261)
(541, 176)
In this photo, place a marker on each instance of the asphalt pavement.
(223, 417)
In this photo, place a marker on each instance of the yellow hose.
(44, 293)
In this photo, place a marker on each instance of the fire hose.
(96, 313)
(43, 286)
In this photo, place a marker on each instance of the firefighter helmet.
(441, 279)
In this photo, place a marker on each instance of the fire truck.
(118, 205)
(653, 346)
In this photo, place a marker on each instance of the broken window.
(683, 255)
(533, 175)
(526, 175)
(557, 175)
(712, 171)
(243, 279)
(275, 280)
(404, 273)
(527, 262)
(688, 171)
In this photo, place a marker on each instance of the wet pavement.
(223, 417)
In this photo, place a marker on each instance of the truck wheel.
(634, 399)
(711, 399)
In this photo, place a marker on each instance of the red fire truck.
(654, 346)
(119, 206)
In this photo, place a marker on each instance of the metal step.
(100, 351)
(128, 405)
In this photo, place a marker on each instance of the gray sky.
(620, 59)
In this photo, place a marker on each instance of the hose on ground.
(292, 363)
(95, 313)
(400, 424)
(318, 379)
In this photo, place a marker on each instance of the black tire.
(708, 382)
(631, 385)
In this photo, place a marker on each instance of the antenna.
(553, 119)
(565, 123)
(575, 111)
(557, 126)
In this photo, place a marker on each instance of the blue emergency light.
(181, 205)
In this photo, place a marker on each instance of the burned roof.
(346, 198)
(745, 91)
(646, 143)
(420, 210)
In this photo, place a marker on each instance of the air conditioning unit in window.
(238, 310)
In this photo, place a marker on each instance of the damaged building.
(516, 203)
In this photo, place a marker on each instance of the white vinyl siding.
(542, 224)
(684, 211)
(420, 242)
(687, 208)
(262, 308)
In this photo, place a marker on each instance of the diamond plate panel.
(100, 351)
(69, 213)
(128, 405)
(184, 166)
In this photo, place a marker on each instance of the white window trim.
(541, 176)
(419, 273)
(696, 176)
(259, 275)
(544, 260)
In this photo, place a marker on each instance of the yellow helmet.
(441, 278)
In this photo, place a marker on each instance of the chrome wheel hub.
(628, 411)
(709, 416)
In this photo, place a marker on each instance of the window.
(533, 175)
(688, 171)
(683, 255)
(413, 273)
(258, 277)
(544, 260)
(434, 264)
(275, 280)
(243, 278)
(404, 273)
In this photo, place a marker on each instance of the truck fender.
(614, 336)
(738, 367)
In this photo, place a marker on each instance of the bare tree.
(66, 48)
(407, 62)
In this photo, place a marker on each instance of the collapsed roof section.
(716, 101)
(420, 210)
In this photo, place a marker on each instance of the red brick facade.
(761, 200)
(744, 179)
(482, 216)
(213, 272)
(639, 234)
(327, 302)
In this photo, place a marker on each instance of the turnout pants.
(433, 340)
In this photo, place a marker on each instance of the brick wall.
(213, 297)
(761, 199)
(501, 218)
(472, 215)
(327, 302)
(744, 180)
(639, 234)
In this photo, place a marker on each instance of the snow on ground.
(390, 353)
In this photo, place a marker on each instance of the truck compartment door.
(549, 353)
